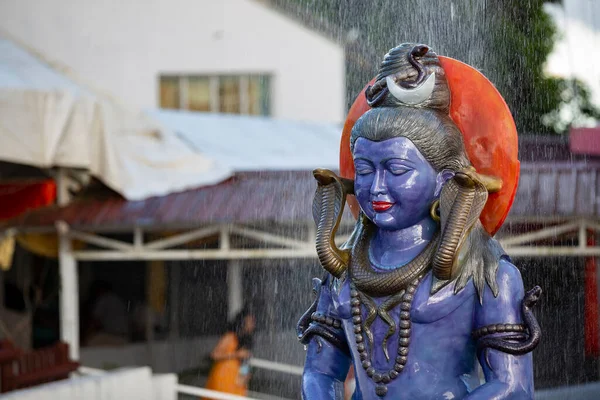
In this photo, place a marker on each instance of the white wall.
(121, 47)
(130, 384)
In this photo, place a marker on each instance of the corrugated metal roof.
(546, 148)
(558, 189)
(585, 141)
(247, 197)
(249, 143)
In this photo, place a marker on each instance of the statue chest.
(425, 307)
(433, 343)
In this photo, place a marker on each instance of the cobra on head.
(410, 73)
(417, 92)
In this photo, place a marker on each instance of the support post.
(591, 327)
(155, 302)
(597, 279)
(2, 299)
(150, 335)
(174, 301)
(62, 188)
(173, 292)
(69, 293)
(234, 288)
(69, 285)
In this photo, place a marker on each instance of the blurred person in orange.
(230, 371)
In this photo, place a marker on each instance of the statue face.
(394, 184)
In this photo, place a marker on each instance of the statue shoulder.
(504, 306)
(509, 278)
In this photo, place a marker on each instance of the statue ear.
(442, 177)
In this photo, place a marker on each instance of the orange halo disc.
(488, 130)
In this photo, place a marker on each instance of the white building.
(236, 56)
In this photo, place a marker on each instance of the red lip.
(380, 206)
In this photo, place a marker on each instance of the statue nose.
(378, 187)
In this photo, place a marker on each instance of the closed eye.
(364, 171)
(363, 167)
(397, 167)
(397, 170)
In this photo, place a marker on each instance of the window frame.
(214, 95)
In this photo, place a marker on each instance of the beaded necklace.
(383, 378)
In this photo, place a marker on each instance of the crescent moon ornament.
(411, 96)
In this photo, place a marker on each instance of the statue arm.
(508, 376)
(327, 359)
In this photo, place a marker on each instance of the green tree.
(575, 106)
(524, 35)
(508, 40)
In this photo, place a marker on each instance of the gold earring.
(434, 211)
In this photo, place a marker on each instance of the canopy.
(47, 120)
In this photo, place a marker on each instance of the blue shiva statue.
(421, 292)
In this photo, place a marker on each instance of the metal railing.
(276, 366)
(211, 394)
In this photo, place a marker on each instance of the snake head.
(324, 176)
(419, 50)
(532, 296)
(464, 179)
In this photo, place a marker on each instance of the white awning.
(47, 120)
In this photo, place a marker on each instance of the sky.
(577, 53)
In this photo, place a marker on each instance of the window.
(233, 94)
